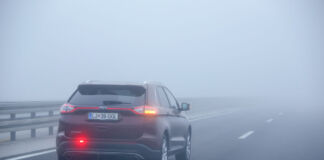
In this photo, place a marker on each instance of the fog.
(204, 48)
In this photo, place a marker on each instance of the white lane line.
(209, 115)
(32, 155)
(269, 120)
(245, 135)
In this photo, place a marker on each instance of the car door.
(169, 118)
(177, 121)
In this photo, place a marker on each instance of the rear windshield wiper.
(114, 102)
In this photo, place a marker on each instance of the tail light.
(143, 110)
(67, 108)
(146, 110)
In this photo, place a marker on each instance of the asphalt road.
(256, 133)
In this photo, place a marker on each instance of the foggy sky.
(195, 47)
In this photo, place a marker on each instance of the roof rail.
(91, 81)
(103, 82)
(152, 82)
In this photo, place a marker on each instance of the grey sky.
(195, 47)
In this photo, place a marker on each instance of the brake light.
(81, 142)
(146, 110)
(67, 108)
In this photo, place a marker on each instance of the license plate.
(102, 116)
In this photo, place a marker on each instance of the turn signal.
(146, 110)
(150, 110)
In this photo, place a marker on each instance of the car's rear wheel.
(59, 157)
(165, 149)
(164, 154)
(186, 153)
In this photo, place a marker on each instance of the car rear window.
(109, 95)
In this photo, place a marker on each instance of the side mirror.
(185, 107)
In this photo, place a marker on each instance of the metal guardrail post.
(51, 128)
(12, 115)
(33, 130)
(51, 113)
(12, 135)
(33, 133)
(32, 115)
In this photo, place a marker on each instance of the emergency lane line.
(32, 155)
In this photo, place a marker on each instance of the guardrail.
(11, 124)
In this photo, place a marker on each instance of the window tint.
(172, 100)
(109, 95)
(162, 97)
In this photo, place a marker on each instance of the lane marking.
(269, 120)
(245, 135)
(32, 155)
(209, 115)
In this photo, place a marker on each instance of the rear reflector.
(81, 142)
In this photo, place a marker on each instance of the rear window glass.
(109, 95)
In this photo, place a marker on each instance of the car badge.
(102, 107)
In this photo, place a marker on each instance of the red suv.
(142, 121)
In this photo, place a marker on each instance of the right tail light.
(146, 110)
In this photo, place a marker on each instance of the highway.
(292, 132)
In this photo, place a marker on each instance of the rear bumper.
(71, 148)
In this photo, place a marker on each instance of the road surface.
(295, 132)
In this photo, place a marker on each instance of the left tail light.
(67, 108)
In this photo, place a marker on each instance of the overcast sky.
(195, 47)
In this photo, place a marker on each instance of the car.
(129, 120)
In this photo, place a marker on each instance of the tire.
(164, 155)
(186, 153)
(60, 157)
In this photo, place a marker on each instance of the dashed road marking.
(246, 135)
(269, 120)
(210, 115)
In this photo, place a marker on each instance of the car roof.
(97, 82)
